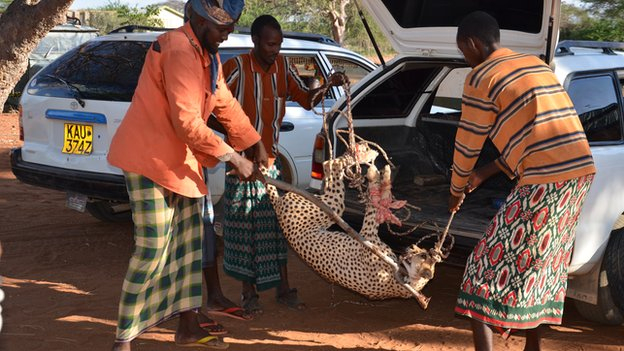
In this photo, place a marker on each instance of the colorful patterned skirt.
(254, 246)
(164, 276)
(516, 277)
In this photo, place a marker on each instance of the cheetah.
(338, 257)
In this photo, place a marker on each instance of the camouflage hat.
(221, 12)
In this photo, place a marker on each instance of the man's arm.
(336, 79)
(236, 124)
(478, 116)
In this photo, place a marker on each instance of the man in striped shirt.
(516, 276)
(255, 250)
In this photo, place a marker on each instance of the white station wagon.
(411, 105)
(71, 109)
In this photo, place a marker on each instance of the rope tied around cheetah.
(306, 218)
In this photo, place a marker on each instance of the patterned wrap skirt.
(254, 246)
(164, 276)
(516, 276)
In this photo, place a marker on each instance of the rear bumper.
(94, 185)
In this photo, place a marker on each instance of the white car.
(411, 108)
(83, 96)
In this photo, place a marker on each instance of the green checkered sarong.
(164, 275)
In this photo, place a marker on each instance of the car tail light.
(318, 156)
(21, 124)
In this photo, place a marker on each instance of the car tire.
(286, 171)
(613, 264)
(608, 310)
(107, 211)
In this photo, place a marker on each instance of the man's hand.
(480, 175)
(257, 153)
(455, 202)
(337, 79)
(243, 168)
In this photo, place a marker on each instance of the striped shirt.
(263, 94)
(516, 101)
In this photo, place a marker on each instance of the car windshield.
(99, 70)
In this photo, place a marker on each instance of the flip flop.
(210, 342)
(211, 326)
(232, 312)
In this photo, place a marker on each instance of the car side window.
(596, 100)
(396, 95)
(352, 69)
(309, 70)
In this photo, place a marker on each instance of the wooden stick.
(438, 245)
(399, 271)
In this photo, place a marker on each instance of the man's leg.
(533, 339)
(215, 299)
(481, 335)
(286, 295)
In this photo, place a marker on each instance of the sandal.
(210, 325)
(250, 304)
(291, 300)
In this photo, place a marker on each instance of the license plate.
(78, 139)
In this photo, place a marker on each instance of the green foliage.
(4, 4)
(607, 8)
(600, 21)
(115, 14)
(312, 16)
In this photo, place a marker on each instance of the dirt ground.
(63, 272)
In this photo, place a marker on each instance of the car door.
(300, 126)
(428, 28)
(423, 32)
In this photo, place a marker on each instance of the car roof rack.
(318, 38)
(136, 27)
(564, 47)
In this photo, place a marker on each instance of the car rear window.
(98, 70)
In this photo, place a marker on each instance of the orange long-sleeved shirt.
(263, 94)
(164, 135)
(517, 102)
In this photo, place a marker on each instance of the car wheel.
(611, 286)
(286, 170)
(107, 211)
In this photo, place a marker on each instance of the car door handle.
(287, 127)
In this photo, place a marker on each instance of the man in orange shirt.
(516, 277)
(161, 146)
(255, 249)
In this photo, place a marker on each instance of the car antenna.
(370, 34)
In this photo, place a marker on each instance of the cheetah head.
(420, 266)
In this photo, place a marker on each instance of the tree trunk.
(22, 25)
(338, 15)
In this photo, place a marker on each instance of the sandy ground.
(63, 272)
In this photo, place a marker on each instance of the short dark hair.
(264, 21)
(479, 25)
